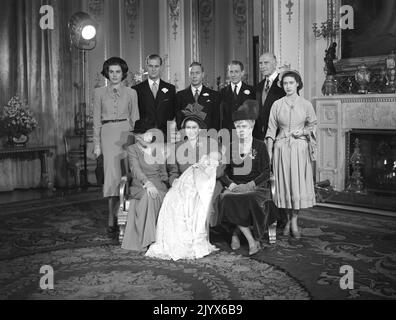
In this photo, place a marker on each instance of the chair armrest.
(124, 189)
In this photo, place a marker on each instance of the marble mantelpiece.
(340, 114)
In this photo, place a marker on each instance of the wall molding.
(174, 13)
(132, 14)
(240, 17)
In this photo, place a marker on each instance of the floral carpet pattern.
(87, 265)
(109, 272)
(331, 240)
(49, 228)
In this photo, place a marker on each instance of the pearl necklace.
(290, 103)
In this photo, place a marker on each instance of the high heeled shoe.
(256, 248)
(286, 230)
(235, 243)
(296, 234)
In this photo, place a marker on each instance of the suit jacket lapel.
(147, 88)
(160, 92)
(190, 96)
(274, 85)
(200, 97)
(241, 93)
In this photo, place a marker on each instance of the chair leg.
(272, 233)
(122, 232)
(78, 180)
(67, 178)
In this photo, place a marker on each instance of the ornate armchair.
(125, 203)
(74, 154)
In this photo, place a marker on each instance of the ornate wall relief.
(206, 13)
(132, 15)
(289, 6)
(95, 8)
(240, 17)
(174, 12)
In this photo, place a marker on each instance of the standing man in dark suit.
(234, 94)
(156, 98)
(198, 93)
(267, 92)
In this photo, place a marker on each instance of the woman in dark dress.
(247, 172)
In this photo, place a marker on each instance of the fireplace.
(376, 152)
(370, 118)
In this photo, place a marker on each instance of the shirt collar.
(151, 82)
(193, 89)
(273, 76)
(238, 85)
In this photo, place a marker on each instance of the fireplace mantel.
(338, 115)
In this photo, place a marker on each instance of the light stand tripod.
(83, 36)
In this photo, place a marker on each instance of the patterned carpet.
(331, 240)
(87, 265)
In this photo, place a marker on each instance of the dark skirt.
(247, 209)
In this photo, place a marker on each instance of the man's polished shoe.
(235, 243)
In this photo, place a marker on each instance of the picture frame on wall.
(372, 38)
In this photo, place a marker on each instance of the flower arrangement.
(253, 153)
(16, 119)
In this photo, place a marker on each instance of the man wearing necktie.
(234, 94)
(268, 92)
(196, 92)
(156, 98)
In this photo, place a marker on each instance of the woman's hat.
(142, 126)
(194, 112)
(249, 110)
(283, 73)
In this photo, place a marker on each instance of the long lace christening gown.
(182, 229)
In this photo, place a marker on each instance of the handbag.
(312, 147)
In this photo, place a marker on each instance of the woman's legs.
(235, 243)
(254, 246)
(294, 227)
(286, 230)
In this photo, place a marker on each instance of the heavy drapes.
(37, 65)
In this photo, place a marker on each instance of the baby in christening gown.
(182, 229)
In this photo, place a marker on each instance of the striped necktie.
(265, 90)
(154, 89)
(196, 95)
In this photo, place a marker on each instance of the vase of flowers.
(16, 122)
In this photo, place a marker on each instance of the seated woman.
(248, 170)
(149, 186)
(182, 228)
(194, 145)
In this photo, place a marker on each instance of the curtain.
(37, 65)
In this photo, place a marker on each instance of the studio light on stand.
(82, 30)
